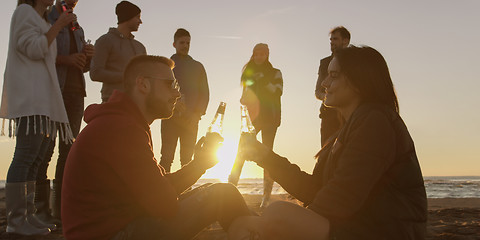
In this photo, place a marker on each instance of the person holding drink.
(73, 60)
(367, 183)
(115, 189)
(32, 102)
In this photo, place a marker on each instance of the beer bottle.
(247, 131)
(74, 25)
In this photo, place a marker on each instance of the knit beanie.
(126, 10)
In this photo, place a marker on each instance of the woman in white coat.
(33, 106)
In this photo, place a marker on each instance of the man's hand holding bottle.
(206, 149)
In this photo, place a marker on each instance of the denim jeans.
(30, 149)
(74, 105)
(198, 209)
(172, 130)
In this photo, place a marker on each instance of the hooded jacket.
(112, 177)
(367, 183)
(192, 79)
(113, 51)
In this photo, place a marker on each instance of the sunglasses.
(174, 85)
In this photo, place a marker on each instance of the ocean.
(437, 187)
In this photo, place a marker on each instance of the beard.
(158, 108)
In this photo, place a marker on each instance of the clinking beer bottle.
(74, 25)
(217, 123)
(215, 129)
(247, 131)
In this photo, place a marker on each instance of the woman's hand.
(253, 150)
(66, 18)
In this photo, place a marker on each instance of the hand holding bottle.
(88, 49)
(77, 60)
(206, 151)
(66, 18)
(253, 150)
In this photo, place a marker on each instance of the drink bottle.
(74, 25)
(216, 126)
(247, 132)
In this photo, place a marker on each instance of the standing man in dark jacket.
(339, 38)
(192, 79)
(73, 59)
(116, 48)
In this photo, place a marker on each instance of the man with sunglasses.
(114, 188)
(192, 79)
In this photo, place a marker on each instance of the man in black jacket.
(339, 38)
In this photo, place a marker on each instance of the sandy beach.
(448, 218)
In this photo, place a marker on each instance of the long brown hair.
(367, 70)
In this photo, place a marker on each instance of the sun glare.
(226, 155)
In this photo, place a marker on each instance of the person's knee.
(224, 188)
(287, 218)
(276, 209)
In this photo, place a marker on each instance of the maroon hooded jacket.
(112, 177)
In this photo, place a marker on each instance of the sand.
(449, 218)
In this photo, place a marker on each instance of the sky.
(431, 48)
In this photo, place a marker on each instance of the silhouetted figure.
(367, 184)
(32, 102)
(183, 125)
(113, 187)
(115, 49)
(262, 89)
(331, 120)
(73, 59)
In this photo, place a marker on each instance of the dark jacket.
(368, 183)
(63, 49)
(266, 84)
(112, 177)
(192, 79)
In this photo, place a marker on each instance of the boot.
(42, 202)
(267, 189)
(57, 199)
(16, 206)
(32, 210)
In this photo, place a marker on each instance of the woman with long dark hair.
(367, 183)
(32, 103)
(262, 89)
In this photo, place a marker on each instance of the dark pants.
(29, 149)
(330, 123)
(172, 130)
(74, 105)
(198, 209)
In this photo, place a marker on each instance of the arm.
(138, 170)
(203, 93)
(322, 74)
(88, 49)
(31, 41)
(295, 181)
(98, 68)
(276, 85)
(63, 20)
(205, 157)
(363, 158)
